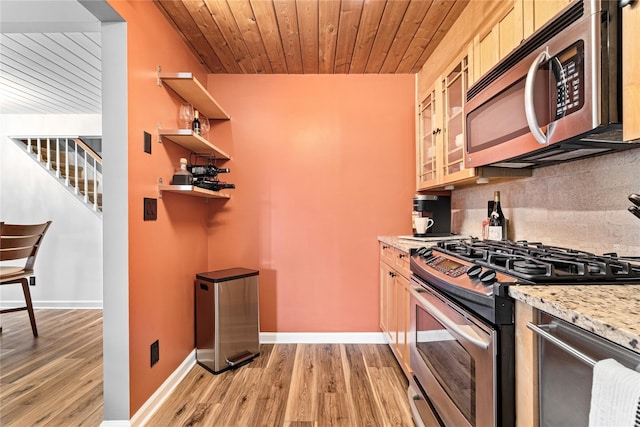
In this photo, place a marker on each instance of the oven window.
(452, 366)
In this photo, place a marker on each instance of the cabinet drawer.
(401, 262)
(386, 253)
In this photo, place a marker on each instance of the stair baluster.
(95, 184)
(76, 176)
(69, 172)
(66, 162)
(57, 157)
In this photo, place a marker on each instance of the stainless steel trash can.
(227, 318)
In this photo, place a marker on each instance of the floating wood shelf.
(193, 142)
(191, 190)
(192, 91)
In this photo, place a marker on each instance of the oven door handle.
(413, 396)
(542, 331)
(447, 322)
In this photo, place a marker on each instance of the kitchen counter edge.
(402, 244)
(610, 311)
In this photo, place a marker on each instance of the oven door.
(453, 359)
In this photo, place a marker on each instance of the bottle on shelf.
(212, 184)
(206, 170)
(182, 176)
(195, 124)
(497, 221)
(219, 185)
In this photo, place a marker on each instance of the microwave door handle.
(529, 106)
(442, 318)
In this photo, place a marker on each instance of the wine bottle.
(195, 124)
(212, 184)
(219, 185)
(206, 170)
(497, 221)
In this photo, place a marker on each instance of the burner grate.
(541, 263)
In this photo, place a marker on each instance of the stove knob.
(427, 253)
(488, 277)
(474, 271)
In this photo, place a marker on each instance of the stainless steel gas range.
(462, 321)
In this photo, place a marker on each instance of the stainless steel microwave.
(557, 97)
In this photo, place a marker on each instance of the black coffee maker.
(437, 208)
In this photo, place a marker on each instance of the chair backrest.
(18, 241)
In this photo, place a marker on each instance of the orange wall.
(323, 164)
(164, 255)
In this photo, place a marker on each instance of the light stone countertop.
(612, 311)
(402, 244)
(408, 244)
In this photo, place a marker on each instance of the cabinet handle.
(392, 274)
(437, 131)
(401, 256)
(625, 3)
(385, 247)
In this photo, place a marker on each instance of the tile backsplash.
(580, 204)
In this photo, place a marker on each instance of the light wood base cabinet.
(394, 302)
(526, 367)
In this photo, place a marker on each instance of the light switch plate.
(147, 142)
(150, 209)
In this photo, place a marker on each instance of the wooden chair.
(19, 242)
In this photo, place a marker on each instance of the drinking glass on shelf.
(186, 115)
(204, 125)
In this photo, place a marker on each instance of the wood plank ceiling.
(312, 36)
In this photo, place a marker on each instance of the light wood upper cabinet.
(536, 13)
(630, 71)
(490, 47)
(426, 149)
(454, 89)
(440, 142)
(511, 29)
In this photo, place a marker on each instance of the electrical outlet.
(155, 352)
(150, 209)
(147, 142)
(32, 281)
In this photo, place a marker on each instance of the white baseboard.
(322, 338)
(48, 305)
(146, 411)
(119, 423)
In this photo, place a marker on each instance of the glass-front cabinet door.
(454, 87)
(427, 145)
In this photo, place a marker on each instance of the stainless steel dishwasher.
(227, 318)
(566, 355)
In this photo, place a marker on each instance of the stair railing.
(86, 161)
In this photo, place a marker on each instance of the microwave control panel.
(568, 68)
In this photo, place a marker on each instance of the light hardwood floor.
(296, 385)
(56, 380)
